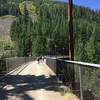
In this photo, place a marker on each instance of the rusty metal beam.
(70, 29)
(70, 39)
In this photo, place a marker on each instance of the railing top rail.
(82, 63)
(77, 62)
(56, 57)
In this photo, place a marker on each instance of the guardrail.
(9, 64)
(86, 77)
(2, 66)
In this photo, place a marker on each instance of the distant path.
(35, 82)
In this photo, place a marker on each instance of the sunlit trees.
(21, 33)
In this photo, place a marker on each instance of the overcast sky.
(93, 4)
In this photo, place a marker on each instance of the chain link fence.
(84, 76)
(9, 64)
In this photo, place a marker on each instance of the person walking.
(38, 59)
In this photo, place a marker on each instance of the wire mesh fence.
(89, 78)
(85, 77)
(9, 64)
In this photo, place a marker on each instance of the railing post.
(6, 65)
(80, 79)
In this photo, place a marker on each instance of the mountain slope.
(5, 26)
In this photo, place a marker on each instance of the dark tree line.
(9, 7)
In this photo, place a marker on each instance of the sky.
(93, 4)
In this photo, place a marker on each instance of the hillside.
(7, 20)
(50, 27)
(5, 27)
(7, 47)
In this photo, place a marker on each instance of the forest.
(46, 33)
(41, 28)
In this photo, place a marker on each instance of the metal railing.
(9, 64)
(2, 66)
(86, 77)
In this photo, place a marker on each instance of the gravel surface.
(35, 82)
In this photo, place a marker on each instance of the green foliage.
(21, 33)
(6, 45)
(91, 81)
(9, 7)
(30, 7)
(48, 31)
(51, 28)
(7, 49)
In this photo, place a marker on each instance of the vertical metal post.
(70, 39)
(70, 29)
(81, 88)
(56, 50)
(6, 65)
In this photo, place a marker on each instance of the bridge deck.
(32, 81)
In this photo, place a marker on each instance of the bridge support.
(70, 29)
(70, 38)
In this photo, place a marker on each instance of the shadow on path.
(18, 85)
